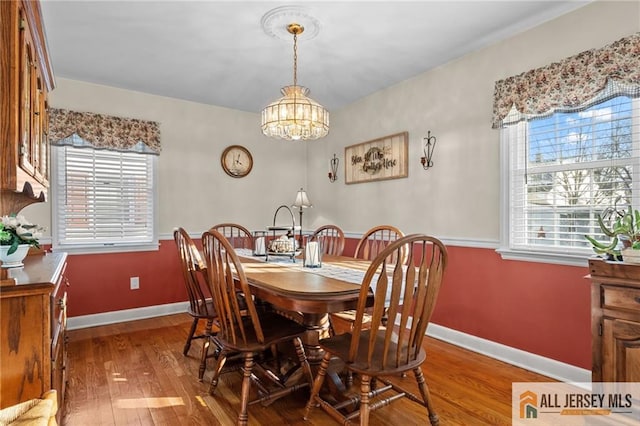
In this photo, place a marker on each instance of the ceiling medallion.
(275, 22)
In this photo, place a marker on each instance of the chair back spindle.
(332, 239)
(376, 239)
(237, 235)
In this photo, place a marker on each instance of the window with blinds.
(103, 200)
(566, 168)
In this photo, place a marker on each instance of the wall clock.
(236, 161)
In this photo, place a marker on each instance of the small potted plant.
(17, 235)
(624, 229)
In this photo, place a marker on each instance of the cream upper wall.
(459, 197)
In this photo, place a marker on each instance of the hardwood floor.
(134, 373)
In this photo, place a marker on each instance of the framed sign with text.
(378, 159)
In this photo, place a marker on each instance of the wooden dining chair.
(407, 294)
(200, 302)
(332, 239)
(237, 235)
(369, 246)
(375, 240)
(250, 331)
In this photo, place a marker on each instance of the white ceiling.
(216, 52)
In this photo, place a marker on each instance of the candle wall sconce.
(333, 174)
(428, 148)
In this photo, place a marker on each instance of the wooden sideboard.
(615, 321)
(26, 78)
(33, 319)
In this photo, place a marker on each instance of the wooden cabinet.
(25, 80)
(615, 321)
(33, 352)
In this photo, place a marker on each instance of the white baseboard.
(113, 317)
(539, 364)
(532, 362)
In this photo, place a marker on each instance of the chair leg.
(365, 388)
(205, 349)
(332, 331)
(276, 359)
(203, 358)
(426, 396)
(209, 326)
(349, 378)
(187, 345)
(317, 384)
(222, 358)
(302, 357)
(243, 416)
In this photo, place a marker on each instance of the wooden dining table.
(312, 293)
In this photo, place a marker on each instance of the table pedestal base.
(318, 328)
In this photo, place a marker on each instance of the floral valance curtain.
(571, 82)
(103, 131)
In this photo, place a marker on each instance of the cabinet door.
(27, 77)
(621, 351)
(24, 348)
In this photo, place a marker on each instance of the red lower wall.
(100, 282)
(539, 308)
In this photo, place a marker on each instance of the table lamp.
(302, 202)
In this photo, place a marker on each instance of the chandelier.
(295, 116)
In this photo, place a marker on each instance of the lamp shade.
(295, 116)
(302, 200)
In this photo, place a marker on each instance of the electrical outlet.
(135, 283)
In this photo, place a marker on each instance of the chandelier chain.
(295, 58)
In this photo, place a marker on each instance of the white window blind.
(103, 199)
(566, 168)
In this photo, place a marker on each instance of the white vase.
(14, 259)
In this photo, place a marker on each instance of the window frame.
(115, 247)
(509, 136)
